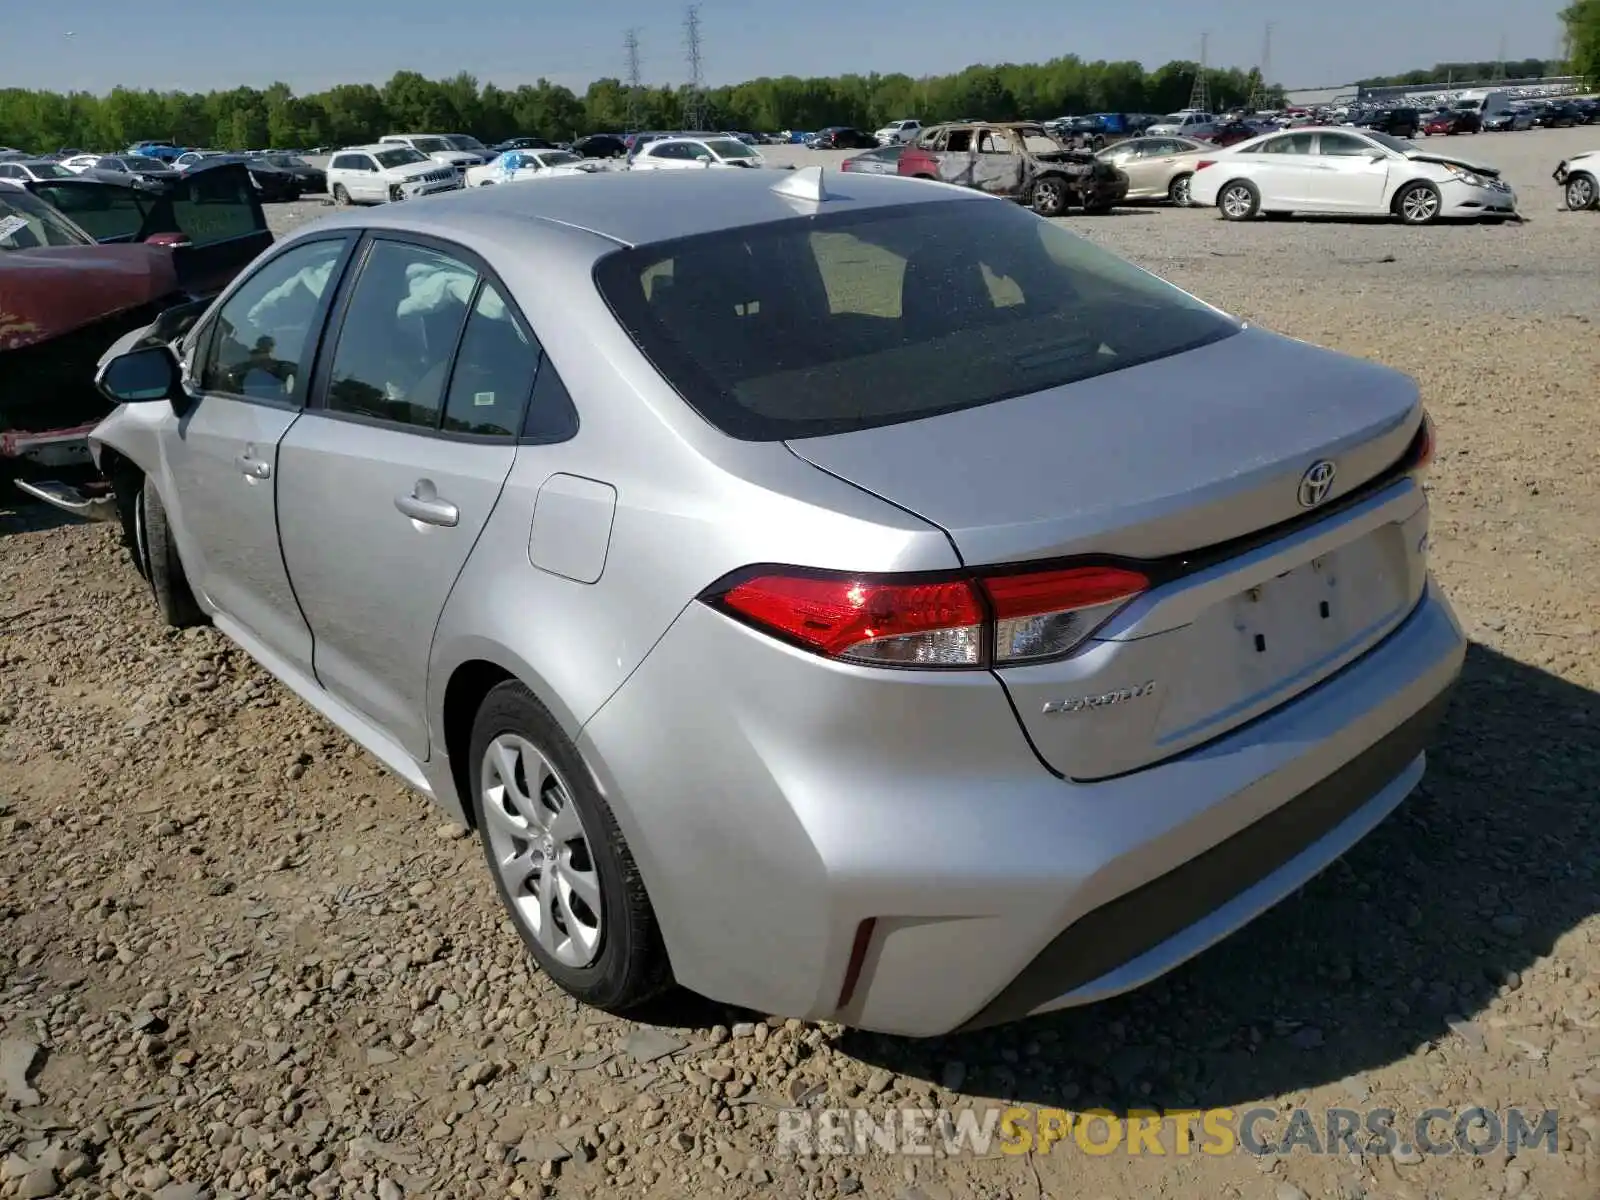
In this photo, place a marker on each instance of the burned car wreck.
(1019, 160)
(82, 264)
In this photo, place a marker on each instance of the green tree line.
(1582, 21)
(358, 112)
(1461, 72)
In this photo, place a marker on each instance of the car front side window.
(260, 339)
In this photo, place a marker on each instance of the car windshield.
(1176, 118)
(47, 170)
(729, 148)
(461, 141)
(285, 160)
(140, 163)
(431, 145)
(1398, 145)
(27, 222)
(399, 156)
(825, 324)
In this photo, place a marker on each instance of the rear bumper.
(1148, 931)
(774, 803)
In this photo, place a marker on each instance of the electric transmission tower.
(1258, 94)
(694, 107)
(1500, 60)
(635, 80)
(1200, 97)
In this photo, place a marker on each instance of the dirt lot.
(236, 958)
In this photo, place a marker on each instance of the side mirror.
(140, 376)
(1376, 156)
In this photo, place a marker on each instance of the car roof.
(635, 208)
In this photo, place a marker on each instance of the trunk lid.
(1156, 462)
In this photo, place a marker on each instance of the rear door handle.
(254, 468)
(423, 504)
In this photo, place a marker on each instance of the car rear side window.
(494, 371)
(399, 334)
(819, 325)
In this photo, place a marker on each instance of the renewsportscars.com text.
(1216, 1131)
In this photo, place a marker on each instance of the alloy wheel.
(541, 850)
(1048, 197)
(1236, 201)
(1180, 192)
(1580, 193)
(1419, 205)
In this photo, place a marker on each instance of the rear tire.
(340, 196)
(1238, 200)
(613, 959)
(162, 566)
(1178, 191)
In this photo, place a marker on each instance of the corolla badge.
(1103, 700)
(1316, 483)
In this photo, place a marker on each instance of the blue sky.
(310, 44)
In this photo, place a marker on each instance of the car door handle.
(423, 504)
(255, 468)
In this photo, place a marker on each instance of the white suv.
(385, 172)
(898, 131)
(679, 153)
(440, 147)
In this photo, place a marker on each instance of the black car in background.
(843, 137)
(271, 183)
(311, 179)
(600, 145)
(523, 143)
(1559, 114)
(1396, 122)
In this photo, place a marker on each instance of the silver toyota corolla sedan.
(851, 597)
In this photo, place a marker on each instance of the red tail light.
(1204, 163)
(923, 621)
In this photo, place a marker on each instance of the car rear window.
(845, 321)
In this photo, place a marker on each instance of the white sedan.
(515, 166)
(678, 153)
(1322, 170)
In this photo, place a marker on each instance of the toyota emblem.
(1316, 483)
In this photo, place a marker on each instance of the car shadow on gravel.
(1495, 856)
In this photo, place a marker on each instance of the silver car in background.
(857, 600)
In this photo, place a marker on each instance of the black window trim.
(206, 329)
(317, 396)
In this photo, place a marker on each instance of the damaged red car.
(83, 263)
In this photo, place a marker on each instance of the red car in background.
(1464, 121)
(1234, 131)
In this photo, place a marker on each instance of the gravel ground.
(237, 959)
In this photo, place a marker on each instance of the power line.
(635, 79)
(1200, 96)
(1258, 94)
(694, 114)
